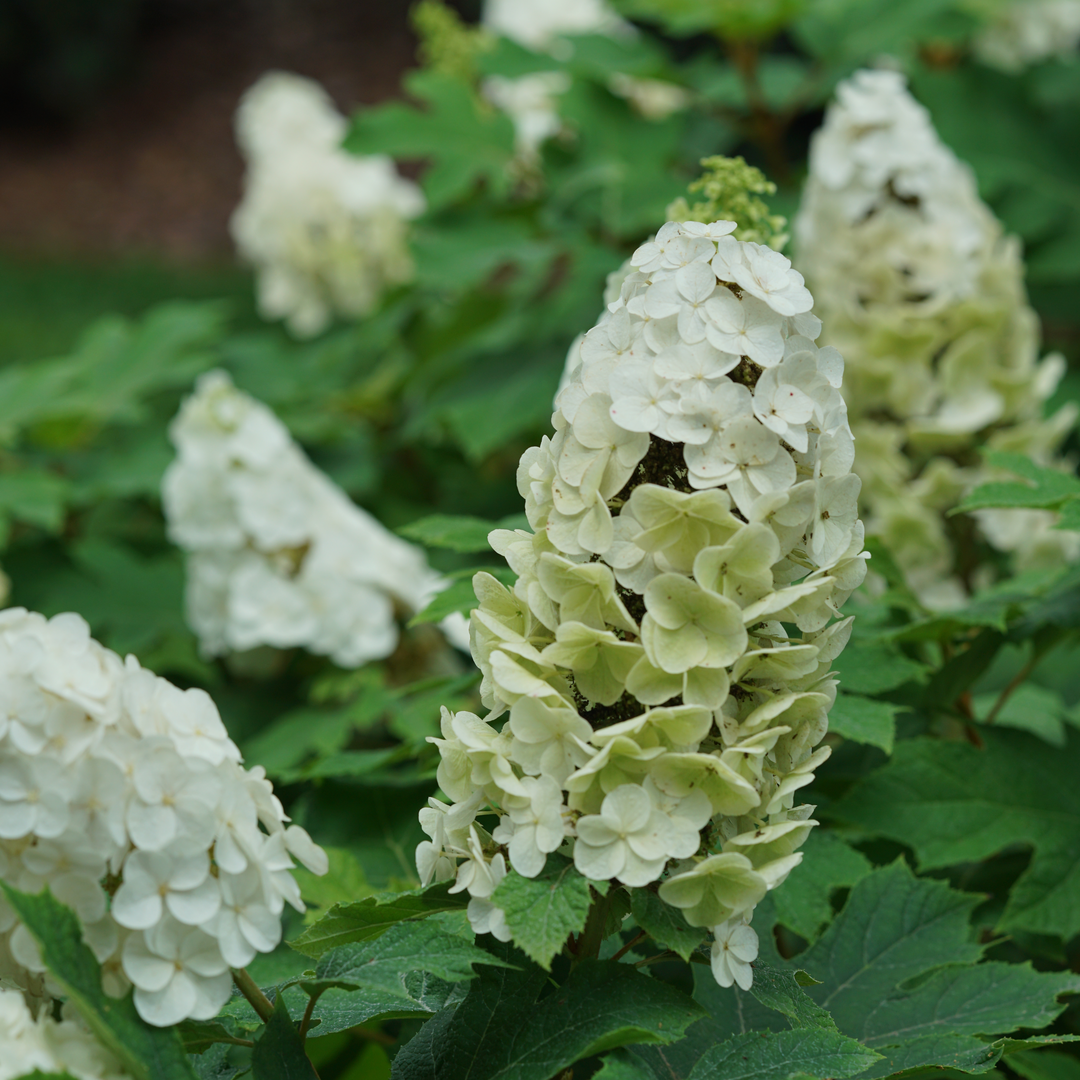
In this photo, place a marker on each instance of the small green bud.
(730, 187)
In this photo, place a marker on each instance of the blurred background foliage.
(424, 407)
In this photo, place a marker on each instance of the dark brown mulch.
(152, 167)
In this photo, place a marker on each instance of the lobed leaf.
(803, 900)
(502, 1032)
(873, 668)
(418, 996)
(279, 1051)
(466, 142)
(1044, 488)
(784, 992)
(1044, 1064)
(865, 720)
(459, 596)
(777, 1055)
(458, 533)
(362, 920)
(665, 924)
(381, 964)
(954, 803)
(148, 1053)
(542, 912)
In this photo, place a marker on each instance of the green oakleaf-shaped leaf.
(341, 884)
(502, 1032)
(665, 924)
(200, 1035)
(114, 367)
(148, 1053)
(462, 534)
(364, 919)
(416, 996)
(459, 595)
(380, 964)
(1045, 1065)
(279, 1051)
(730, 1011)
(898, 972)
(1047, 488)
(1070, 516)
(777, 1055)
(992, 607)
(871, 668)
(465, 141)
(34, 496)
(542, 912)
(216, 1063)
(802, 901)
(623, 1065)
(784, 991)
(954, 803)
(1031, 708)
(864, 720)
(896, 929)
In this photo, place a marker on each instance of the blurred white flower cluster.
(1023, 32)
(276, 553)
(50, 1046)
(325, 230)
(539, 24)
(531, 101)
(648, 707)
(126, 797)
(924, 296)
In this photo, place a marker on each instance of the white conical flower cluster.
(1023, 32)
(126, 797)
(658, 677)
(324, 229)
(277, 554)
(922, 293)
(49, 1046)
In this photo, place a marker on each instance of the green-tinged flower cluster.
(924, 296)
(447, 43)
(730, 187)
(658, 677)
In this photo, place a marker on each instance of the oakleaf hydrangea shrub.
(325, 230)
(924, 295)
(126, 798)
(658, 677)
(49, 1046)
(277, 554)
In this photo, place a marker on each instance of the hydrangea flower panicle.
(276, 553)
(325, 230)
(658, 677)
(175, 858)
(924, 297)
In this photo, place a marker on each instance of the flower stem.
(249, 988)
(592, 937)
(308, 1012)
(666, 955)
(639, 936)
(1005, 694)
